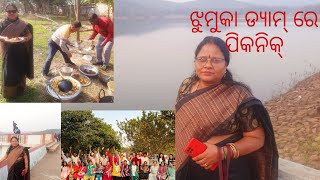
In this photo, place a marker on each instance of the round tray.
(82, 76)
(54, 94)
(84, 67)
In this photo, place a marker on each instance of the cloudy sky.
(30, 117)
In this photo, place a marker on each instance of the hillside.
(295, 117)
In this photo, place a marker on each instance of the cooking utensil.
(51, 88)
(82, 78)
(104, 79)
(104, 98)
(57, 95)
(88, 70)
(87, 57)
(64, 85)
(66, 71)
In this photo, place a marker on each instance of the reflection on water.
(154, 57)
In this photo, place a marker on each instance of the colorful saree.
(17, 162)
(107, 172)
(223, 110)
(17, 58)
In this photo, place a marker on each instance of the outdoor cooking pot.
(104, 98)
(65, 85)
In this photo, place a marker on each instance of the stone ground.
(49, 167)
(295, 116)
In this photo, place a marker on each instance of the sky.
(111, 117)
(30, 117)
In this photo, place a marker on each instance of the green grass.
(42, 31)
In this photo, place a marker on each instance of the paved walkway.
(49, 167)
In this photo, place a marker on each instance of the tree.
(153, 132)
(80, 129)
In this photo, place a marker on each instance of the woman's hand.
(208, 157)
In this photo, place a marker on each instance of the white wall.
(3, 172)
(37, 155)
(3, 149)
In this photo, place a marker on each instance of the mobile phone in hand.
(195, 148)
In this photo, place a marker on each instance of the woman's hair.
(171, 155)
(14, 137)
(228, 78)
(160, 156)
(64, 163)
(216, 41)
(11, 4)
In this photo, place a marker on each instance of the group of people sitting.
(103, 164)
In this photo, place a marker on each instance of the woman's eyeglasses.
(11, 11)
(202, 60)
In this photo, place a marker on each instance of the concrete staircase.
(52, 146)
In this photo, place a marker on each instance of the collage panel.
(30, 142)
(57, 51)
(233, 82)
(224, 90)
(118, 145)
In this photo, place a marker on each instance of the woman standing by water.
(223, 114)
(16, 47)
(18, 161)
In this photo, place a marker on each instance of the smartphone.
(194, 148)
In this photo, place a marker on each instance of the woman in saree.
(18, 161)
(99, 171)
(82, 171)
(144, 169)
(65, 171)
(154, 171)
(107, 172)
(227, 118)
(116, 168)
(16, 57)
(162, 172)
(161, 158)
(74, 171)
(171, 171)
(134, 171)
(125, 174)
